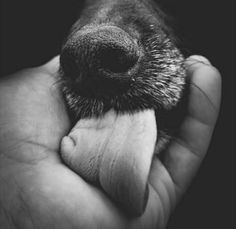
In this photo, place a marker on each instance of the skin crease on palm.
(38, 191)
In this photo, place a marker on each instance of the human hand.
(38, 191)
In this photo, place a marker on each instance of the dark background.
(32, 32)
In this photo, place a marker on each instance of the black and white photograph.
(117, 114)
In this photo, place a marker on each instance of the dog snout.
(100, 59)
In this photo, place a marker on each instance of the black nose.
(100, 60)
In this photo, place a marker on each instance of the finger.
(52, 66)
(186, 151)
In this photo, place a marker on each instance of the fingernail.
(198, 58)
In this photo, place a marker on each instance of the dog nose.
(100, 59)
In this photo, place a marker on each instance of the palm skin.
(38, 191)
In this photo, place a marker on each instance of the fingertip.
(67, 145)
(196, 62)
(197, 59)
(206, 77)
(52, 66)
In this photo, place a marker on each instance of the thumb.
(52, 66)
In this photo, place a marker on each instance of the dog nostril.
(98, 60)
(117, 60)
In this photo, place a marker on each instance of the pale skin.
(38, 191)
